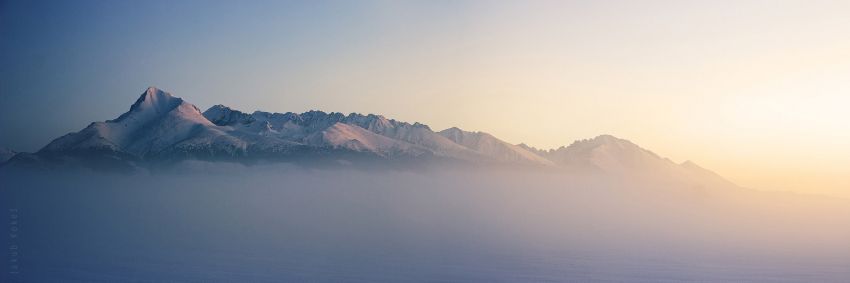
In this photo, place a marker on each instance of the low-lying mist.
(214, 222)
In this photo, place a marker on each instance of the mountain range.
(161, 129)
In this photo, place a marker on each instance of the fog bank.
(279, 223)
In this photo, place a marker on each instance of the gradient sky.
(758, 91)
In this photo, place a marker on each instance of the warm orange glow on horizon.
(760, 99)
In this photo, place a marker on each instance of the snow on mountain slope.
(606, 153)
(489, 145)
(539, 152)
(417, 134)
(222, 115)
(341, 135)
(709, 177)
(160, 127)
(298, 127)
(613, 155)
(155, 121)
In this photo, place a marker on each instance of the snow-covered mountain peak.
(219, 107)
(156, 119)
(160, 126)
(372, 122)
(154, 103)
(222, 115)
(606, 143)
(608, 139)
(493, 147)
(608, 153)
(157, 99)
(420, 125)
(155, 92)
(535, 150)
(453, 131)
(458, 135)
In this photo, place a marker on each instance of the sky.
(757, 91)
